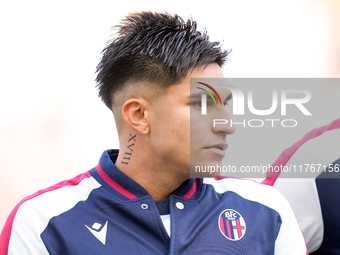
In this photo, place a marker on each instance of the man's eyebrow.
(197, 95)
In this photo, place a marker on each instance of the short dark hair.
(158, 48)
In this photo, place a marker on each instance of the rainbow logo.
(218, 96)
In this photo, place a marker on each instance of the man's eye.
(197, 104)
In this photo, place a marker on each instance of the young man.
(141, 199)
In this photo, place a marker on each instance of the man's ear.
(135, 112)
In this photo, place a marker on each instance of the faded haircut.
(156, 48)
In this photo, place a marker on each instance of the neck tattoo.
(128, 154)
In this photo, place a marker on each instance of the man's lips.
(218, 149)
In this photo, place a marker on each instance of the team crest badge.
(232, 224)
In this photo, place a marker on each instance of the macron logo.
(100, 235)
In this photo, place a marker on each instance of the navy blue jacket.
(105, 212)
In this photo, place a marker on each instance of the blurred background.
(53, 126)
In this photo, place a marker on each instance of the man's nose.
(222, 122)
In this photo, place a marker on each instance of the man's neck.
(158, 179)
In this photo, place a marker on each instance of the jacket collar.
(121, 185)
